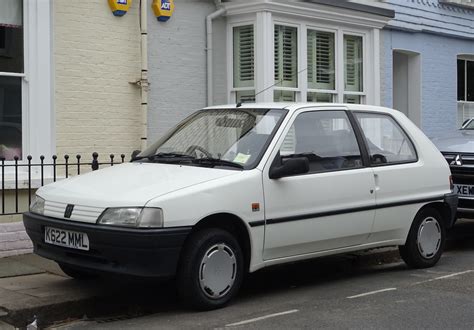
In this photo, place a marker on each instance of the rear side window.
(326, 138)
(386, 141)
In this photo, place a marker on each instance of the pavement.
(35, 289)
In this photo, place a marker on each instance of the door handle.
(376, 181)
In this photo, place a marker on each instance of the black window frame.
(364, 140)
(277, 160)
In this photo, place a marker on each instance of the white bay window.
(300, 53)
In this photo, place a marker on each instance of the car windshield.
(469, 125)
(235, 138)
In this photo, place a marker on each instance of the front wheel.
(425, 241)
(211, 269)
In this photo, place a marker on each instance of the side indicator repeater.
(255, 207)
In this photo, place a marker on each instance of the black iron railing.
(19, 179)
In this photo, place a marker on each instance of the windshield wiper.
(166, 155)
(216, 161)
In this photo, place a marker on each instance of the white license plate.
(66, 238)
(464, 190)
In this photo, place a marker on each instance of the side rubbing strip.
(351, 210)
(257, 223)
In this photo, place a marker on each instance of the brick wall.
(177, 65)
(96, 55)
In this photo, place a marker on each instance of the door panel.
(309, 197)
(399, 177)
(330, 207)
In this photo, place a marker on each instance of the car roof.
(292, 106)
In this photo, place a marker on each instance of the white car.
(236, 188)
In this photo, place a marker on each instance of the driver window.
(326, 138)
(386, 141)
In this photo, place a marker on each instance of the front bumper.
(129, 251)
(451, 200)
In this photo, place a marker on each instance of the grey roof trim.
(355, 6)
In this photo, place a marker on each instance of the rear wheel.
(425, 241)
(211, 269)
(76, 272)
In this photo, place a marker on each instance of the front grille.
(80, 213)
(466, 203)
(466, 159)
(462, 167)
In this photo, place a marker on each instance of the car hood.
(130, 184)
(461, 141)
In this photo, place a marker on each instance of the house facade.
(428, 62)
(221, 52)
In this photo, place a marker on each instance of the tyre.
(425, 241)
(76, 272)
(211, 269)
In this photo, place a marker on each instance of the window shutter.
(244, 56)
(353, 63)
(321, 60)
(286, 61)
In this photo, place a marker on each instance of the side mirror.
(135, 154)
(290, 166)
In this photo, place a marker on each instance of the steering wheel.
(193, 148)
(378, 159)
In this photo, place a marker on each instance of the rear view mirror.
(290, 166)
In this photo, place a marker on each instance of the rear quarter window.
(387, 143)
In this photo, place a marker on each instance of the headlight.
(37, 205)
(141, 217)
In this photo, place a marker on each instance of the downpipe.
(209, 19)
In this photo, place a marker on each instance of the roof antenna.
(239, 104)
(280, 81)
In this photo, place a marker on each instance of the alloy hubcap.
(217, 271)
(429, 237)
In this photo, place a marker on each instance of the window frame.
(362, 94)
(367, 149)
(466, 59)
(230, 38)
(359, 140)
(465, 108)
(296, 90)
(38, 128)
(334, 92)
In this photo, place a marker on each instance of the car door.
(402, 181)
(331, 206)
